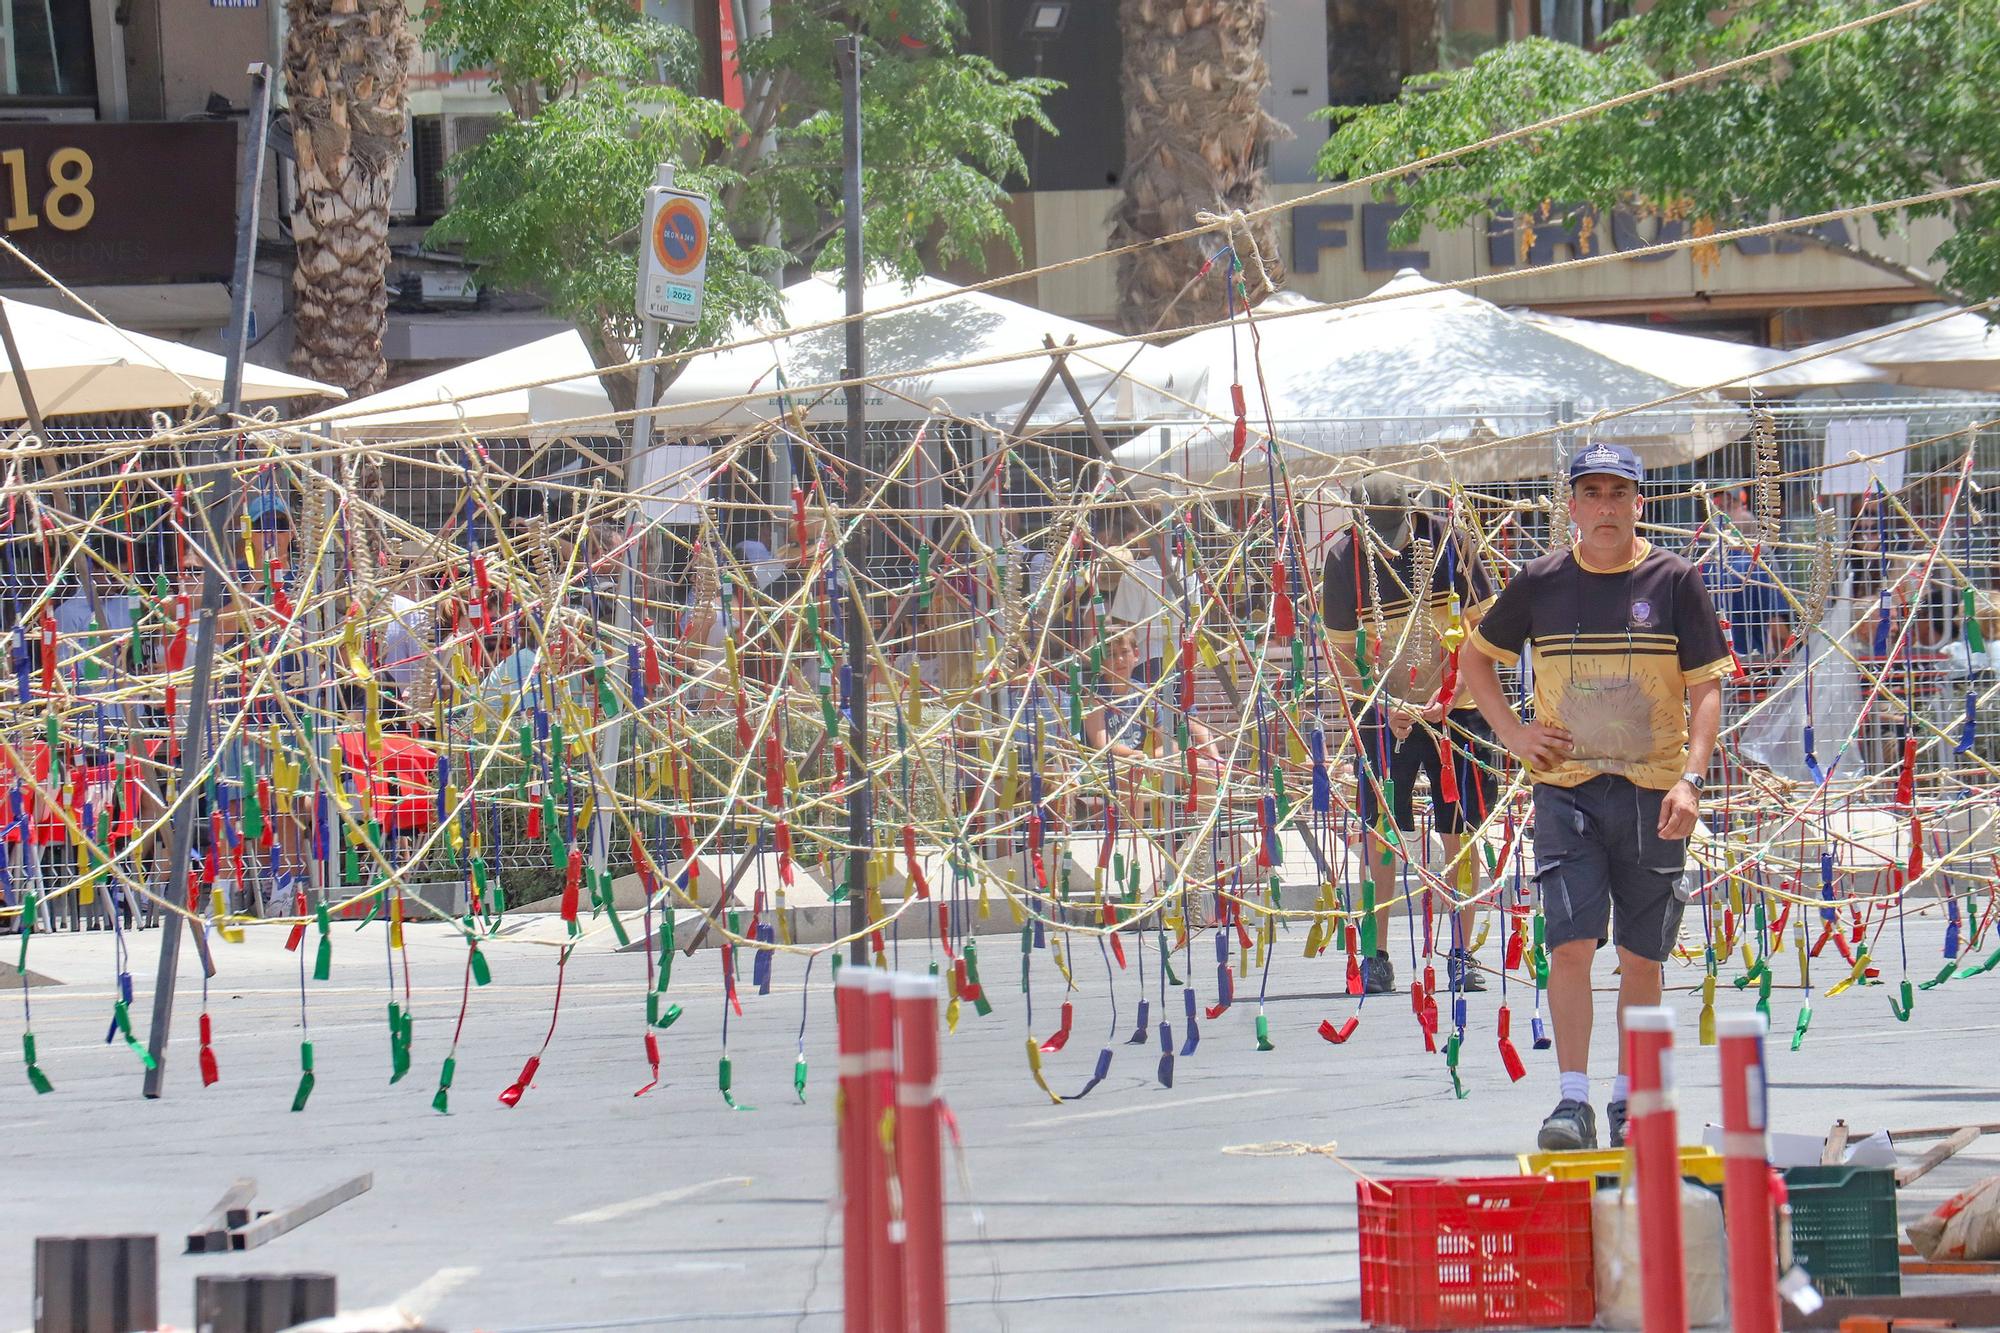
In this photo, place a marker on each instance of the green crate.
(1844, 1228)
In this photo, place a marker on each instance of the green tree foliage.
(1900, 108)
(597, 94)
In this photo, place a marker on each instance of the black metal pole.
(859, 795)
(220, 506)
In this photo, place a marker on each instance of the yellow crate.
(1697, 1160)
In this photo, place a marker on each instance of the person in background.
(1401, 730)
(1131, 725)
(1145, 588)
(95, 621)
(407, 642)
(1744, 590)
(1628, 664)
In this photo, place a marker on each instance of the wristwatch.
(1695, 780)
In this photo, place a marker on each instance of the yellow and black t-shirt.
(1411, 668)
(1614, 653)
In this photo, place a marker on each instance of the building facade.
(119, 124)
(119, 121)
(1336, 245)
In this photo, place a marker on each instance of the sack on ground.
(1965, 1226)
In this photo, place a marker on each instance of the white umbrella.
(1958, 352)
(77, 365)
(1423, 376)
(487, 396)
(961, 326)
(1692, 361)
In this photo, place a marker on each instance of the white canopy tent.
(725, 391)
(1431, 381)
(76, 365)
(1961, 351)
(485, 396)
(1692, 361)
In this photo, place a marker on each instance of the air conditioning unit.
(423, 184)
(403, 197)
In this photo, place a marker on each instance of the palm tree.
(346, 67)
(1197, 138)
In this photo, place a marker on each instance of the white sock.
(1575, 1086)
(1621, 1087)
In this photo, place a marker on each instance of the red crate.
(1493, 1252)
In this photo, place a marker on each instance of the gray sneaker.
(1461, 973)
(1614, 1121)
(1572, 1125)
(1378, 975)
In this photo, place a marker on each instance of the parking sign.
(673, 261)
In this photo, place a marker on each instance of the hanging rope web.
(559, 688)
(1100, 710)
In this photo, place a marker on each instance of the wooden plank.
(1836, 1144)
(1970, 1309)
(725, 895)
(1953, 1267)
(273, 1225)
(1935, 1132)
(211, 1236)
(1929, 1162)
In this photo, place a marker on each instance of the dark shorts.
(1478, 785)
(1599, 861)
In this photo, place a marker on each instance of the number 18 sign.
(673, 257)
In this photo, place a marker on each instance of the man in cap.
(1410, 725)
(1628, 664)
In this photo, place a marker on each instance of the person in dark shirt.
(1628, 660)
(1401, 730)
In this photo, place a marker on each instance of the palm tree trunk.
(346, 65)
(1197, 138)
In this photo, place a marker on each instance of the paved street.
(588, 1208)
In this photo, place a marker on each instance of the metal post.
(218, 512)
(1656, 1171)
(757, 27)
(886, 1245)
(621, 609)
(850, 1007)
(860, 796)
(920, 1152)
(1746, 1165)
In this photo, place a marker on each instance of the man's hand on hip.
(1540, 745)
(1678, 809)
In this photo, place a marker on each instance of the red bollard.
(1746, 1192)
(850, 1007)
(885, 1236)
(1656, 1171)
(920, 1151)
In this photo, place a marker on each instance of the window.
(427, 160)
(1373, 46)
(46, 54)
(1578, 22)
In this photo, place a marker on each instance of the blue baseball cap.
(265, 503)
(1613, 460)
